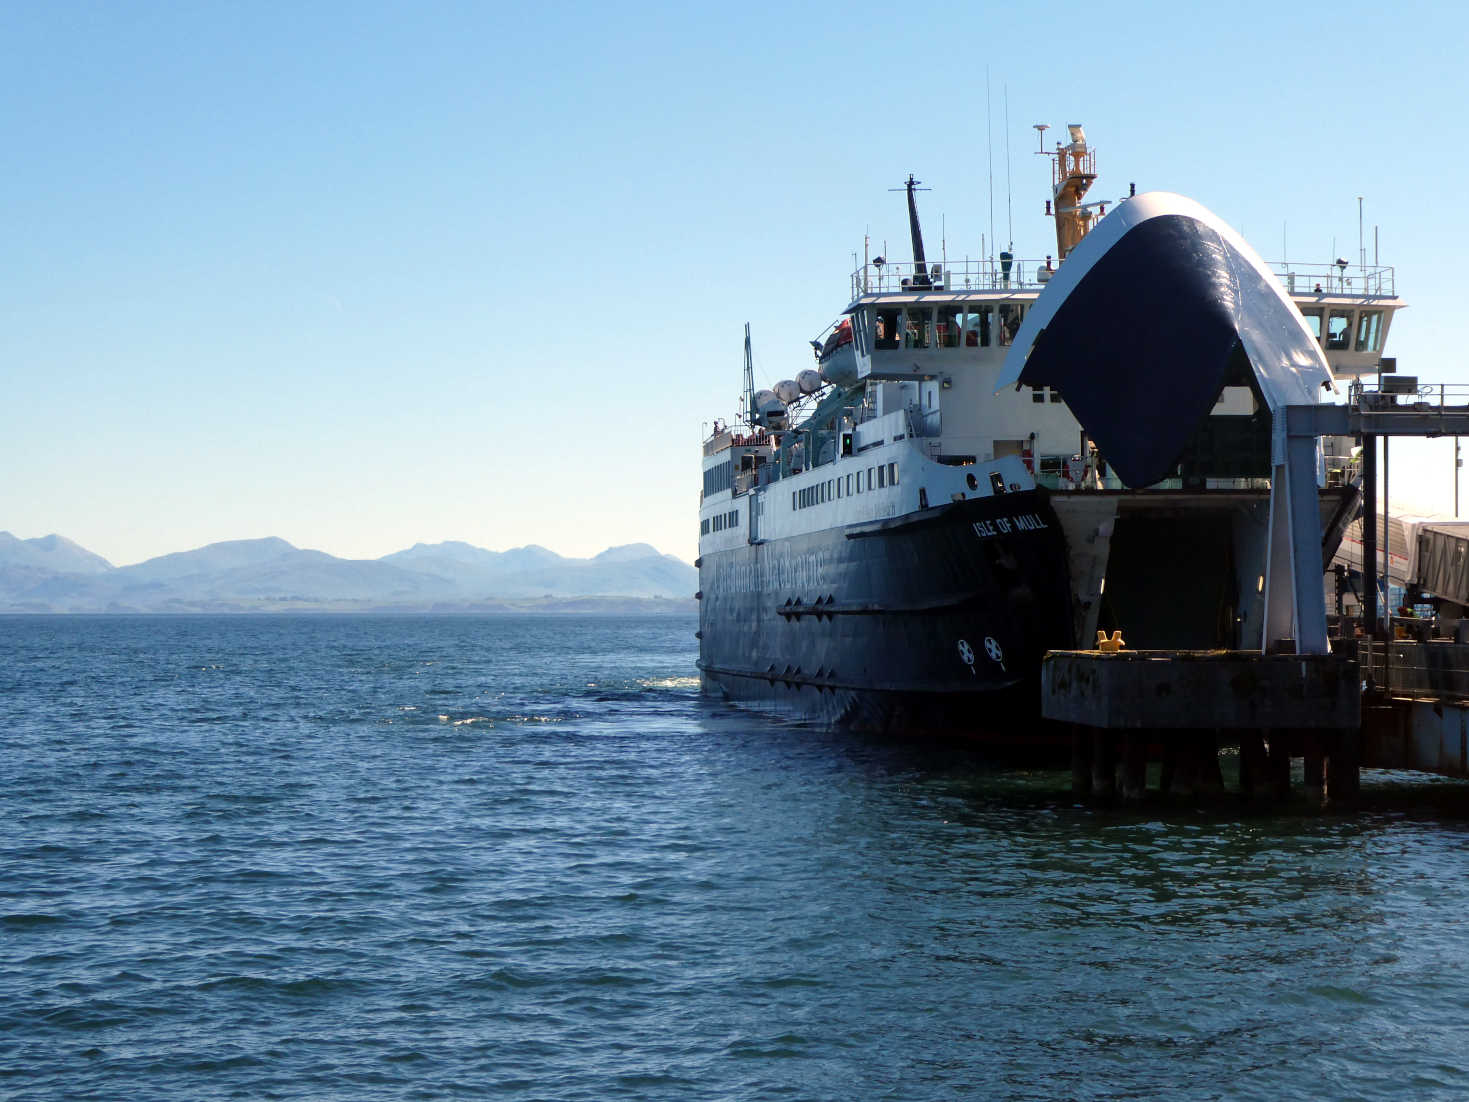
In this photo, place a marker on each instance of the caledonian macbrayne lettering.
(1004, 526)
(781, 570)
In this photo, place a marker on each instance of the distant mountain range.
(53, 574)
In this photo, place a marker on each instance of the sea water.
(359, 857)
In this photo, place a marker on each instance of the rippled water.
(373, 858)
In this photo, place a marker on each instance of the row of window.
(953, 325)
(1337, 336)
(874, 478)
(719, 522)
(718, 478)
(1039, 394)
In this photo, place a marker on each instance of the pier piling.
(1313, 765)
(1343, 767)
(1134, 765)
(1104, 764)
(1081, 761)
(1254, 775)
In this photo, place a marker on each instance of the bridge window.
(976, 325)
(949, 326)
(892, 474)
(1010, 320)
(1313, 322)
(1369, 330)
(918, 323)
(888, 328)
(1338, 330)
(881, 477)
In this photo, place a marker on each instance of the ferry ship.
(893, 539)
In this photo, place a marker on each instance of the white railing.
(955, 275)
(1333, 279)
(1376, 281)
(1408, 395)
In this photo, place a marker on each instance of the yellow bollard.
(1112, 645)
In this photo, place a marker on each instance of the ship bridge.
(937, 335)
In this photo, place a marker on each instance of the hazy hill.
(52, 553)
(55, 575)
(455, 555)
(633, 570)
(211, 559)
(629, 552)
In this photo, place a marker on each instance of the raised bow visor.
(1138, 327)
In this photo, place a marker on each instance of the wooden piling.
(1343, 767)
(1183, 778)
(1134, 780)
(1254, 768)
(1278, 763)
(1314, 765)
(1169, 764)
(1081, 761)
(1104, 764)
(1206, 749)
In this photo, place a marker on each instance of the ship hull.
(932, 624)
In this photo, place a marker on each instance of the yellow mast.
(1072, 171)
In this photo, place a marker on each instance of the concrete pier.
(1178, 707)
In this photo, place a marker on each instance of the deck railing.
(1302, 280)
(1407, 667)
(955, 275)
(1374, 280)
(1391, 394)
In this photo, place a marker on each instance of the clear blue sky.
(363, 274)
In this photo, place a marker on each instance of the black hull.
(932, 624)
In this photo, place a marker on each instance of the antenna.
(1040, 129)
(989, 141)
(1009, 208)
(1361, 244)
(749, 380)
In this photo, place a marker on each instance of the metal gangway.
(1397, 405)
